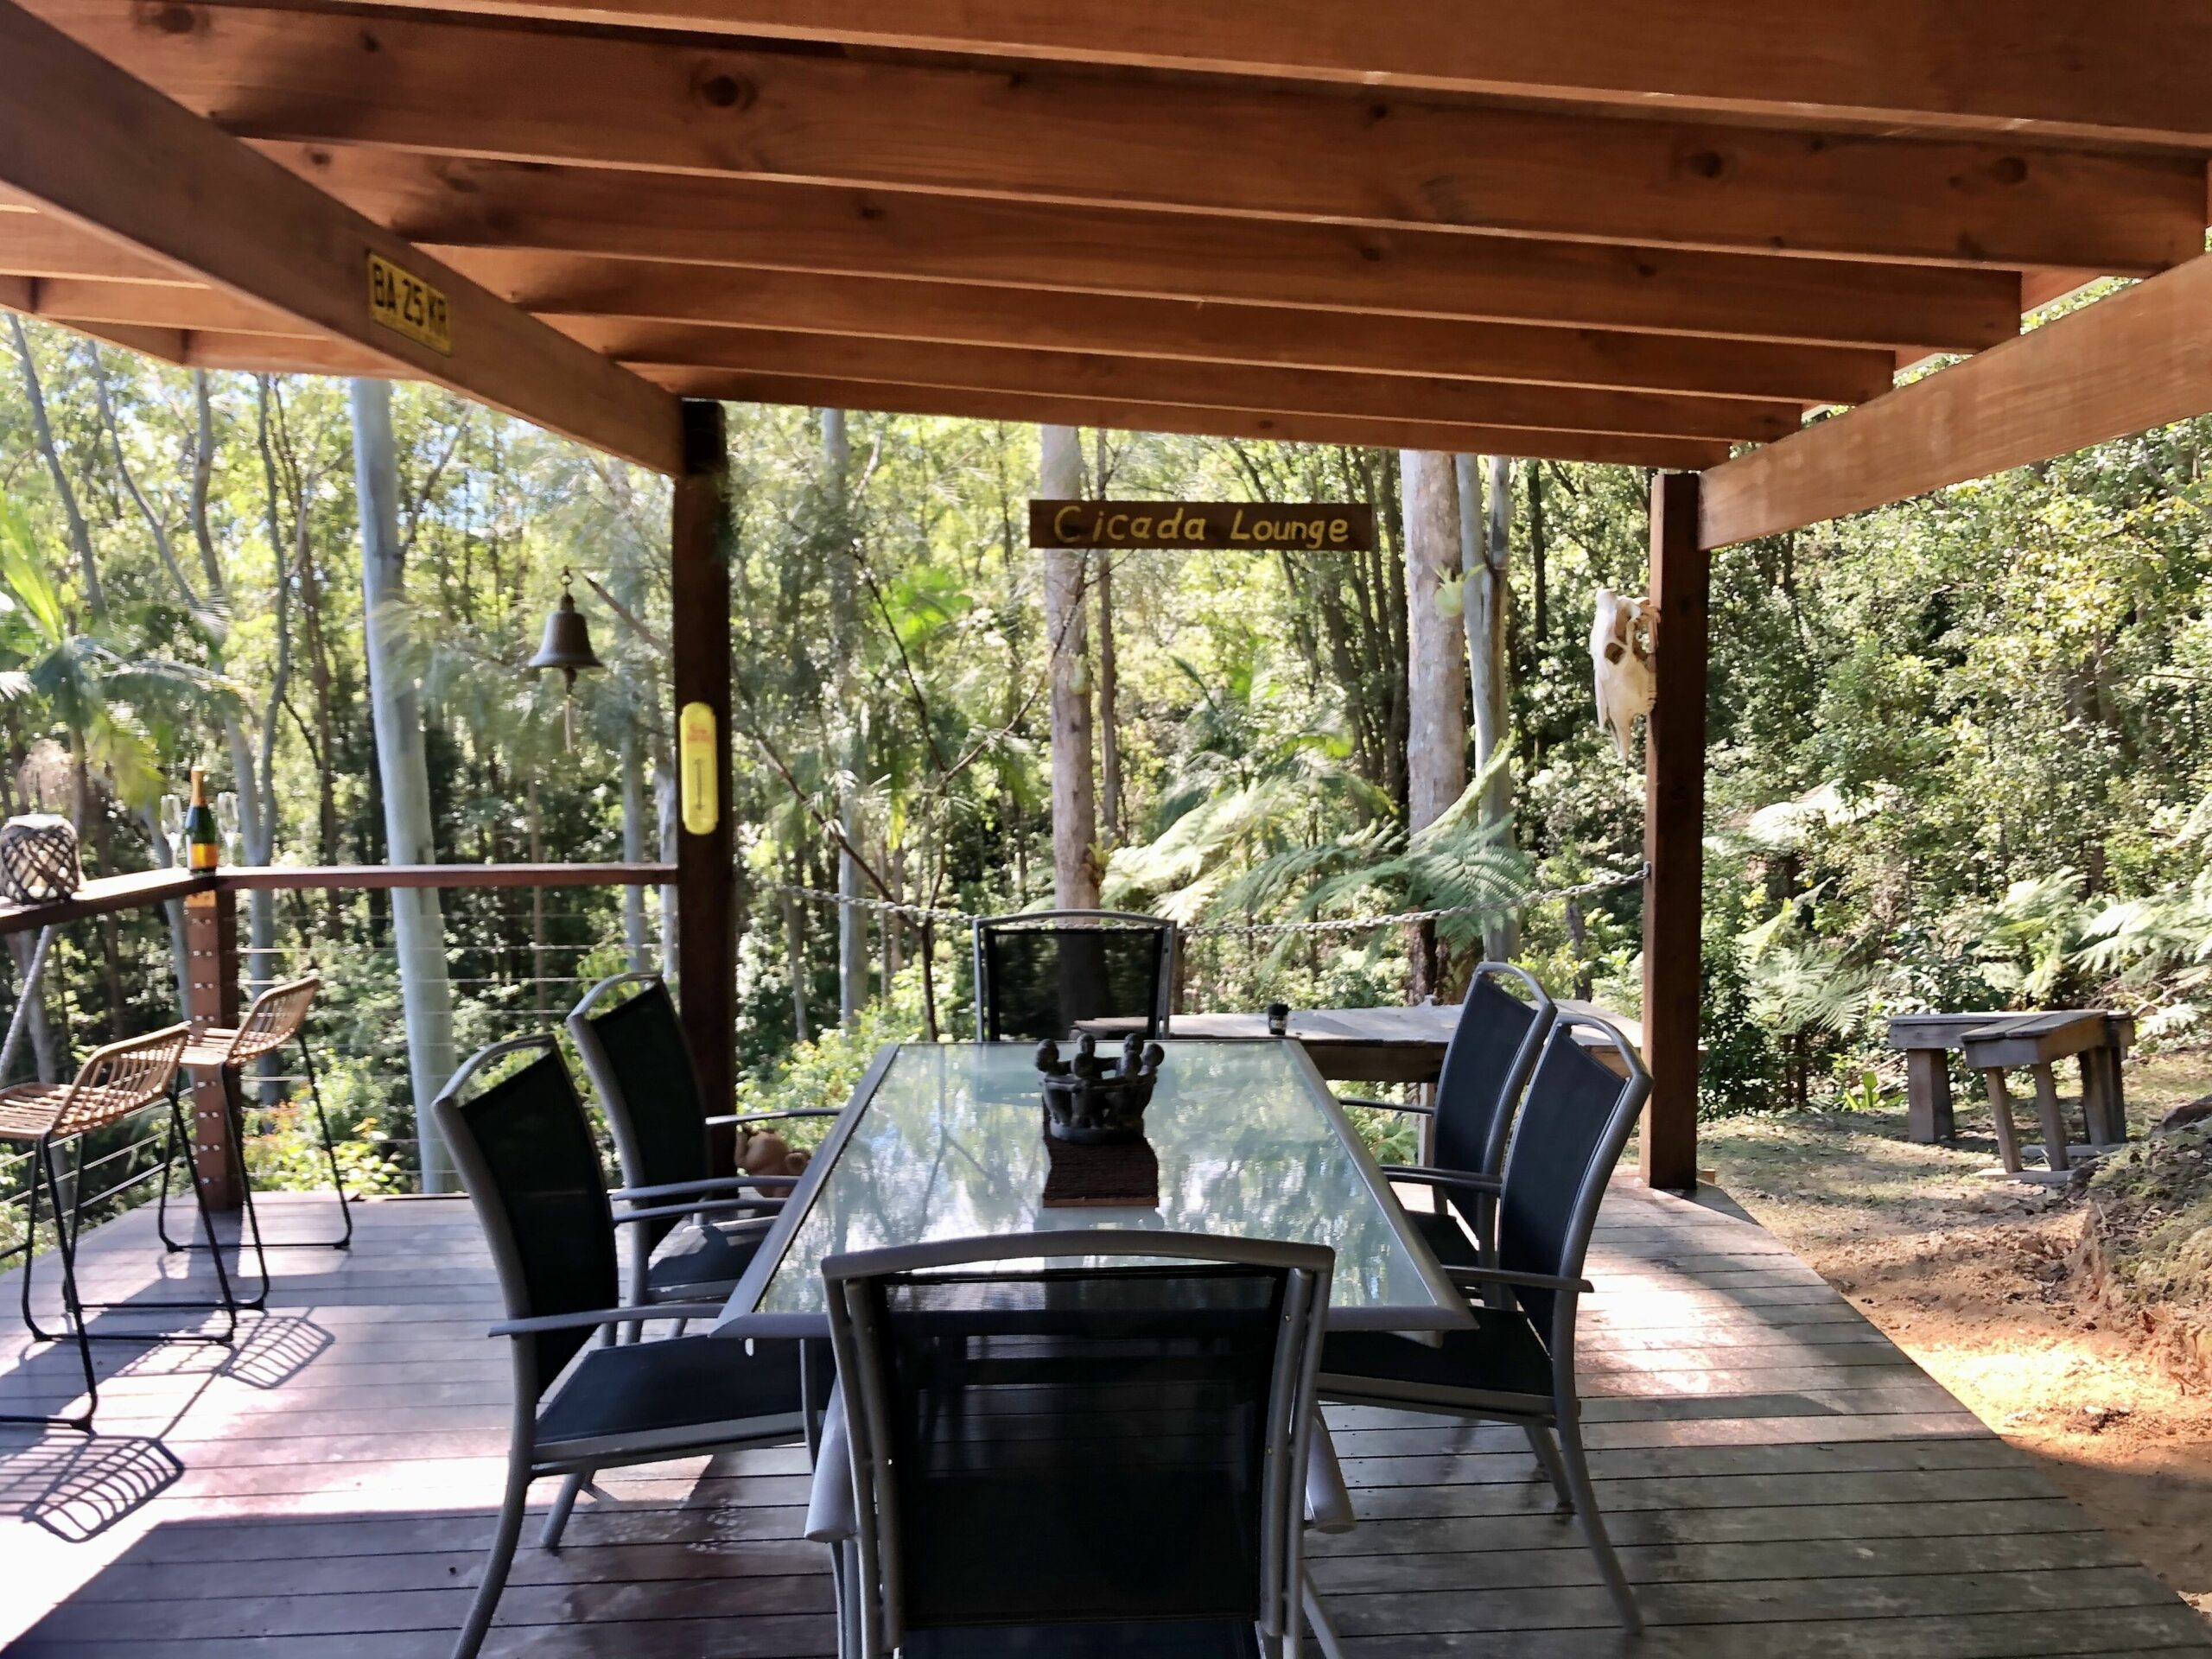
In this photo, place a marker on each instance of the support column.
(211, 943)
(699, 547)
(1673, 833)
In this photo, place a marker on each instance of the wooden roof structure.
(1644, 231)
(1661, 233)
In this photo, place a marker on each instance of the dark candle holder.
(1087, 1104)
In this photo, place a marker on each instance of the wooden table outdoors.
(1994, 1043)
(1386, 1045)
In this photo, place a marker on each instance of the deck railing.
(551, 956)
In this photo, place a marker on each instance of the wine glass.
(173, 827)
(227, 824)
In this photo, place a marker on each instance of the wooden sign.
(1249, 526)
(407, 305)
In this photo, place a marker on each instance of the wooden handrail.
(110, 894)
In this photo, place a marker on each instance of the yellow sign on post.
(699, 764)
(407, 305)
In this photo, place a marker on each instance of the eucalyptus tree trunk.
(45, 1053)
(1436, 676)
(417, 920)
(1483, 545)
(666, 810)
(80, 539)
(633, 848)
(852, 920)
(1075, 869)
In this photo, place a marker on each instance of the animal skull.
(1622, 636)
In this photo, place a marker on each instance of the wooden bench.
(1995, 1043)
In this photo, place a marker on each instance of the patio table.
(1395, 1044)
(946, 1140)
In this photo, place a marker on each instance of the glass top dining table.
(945, 1141)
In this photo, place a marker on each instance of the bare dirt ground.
(1969, 1275)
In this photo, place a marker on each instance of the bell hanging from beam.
(567, 647)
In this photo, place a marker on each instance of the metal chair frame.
(1502, 1108)
(114, 1082)
(857, 1343)
(1560, 1414)
(748, 1194)
(279, 1015)
(528, 1458)
(1157, 1018)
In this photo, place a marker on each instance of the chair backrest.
(1038, 973)
(276, 1016)
(120, 1079)
(525, 1148)
(1117, 1440)
(634, 1052)
(1575, 1122)
(1492, 1050)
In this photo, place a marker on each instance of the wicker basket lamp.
(38, 859)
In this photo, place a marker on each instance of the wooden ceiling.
(1641, 230)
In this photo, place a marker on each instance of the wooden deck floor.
(1783, 1481)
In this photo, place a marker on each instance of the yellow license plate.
(407, 305)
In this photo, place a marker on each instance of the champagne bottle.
(204, 847)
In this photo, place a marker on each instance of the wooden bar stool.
(114, 1082)
(278, 1016)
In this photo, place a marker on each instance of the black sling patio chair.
(1486, 1065)
(1517, 1364)
(1042, 972)
(1114, 1456)
(525, 1148)
(634, 1052)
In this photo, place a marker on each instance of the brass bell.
(567, 647)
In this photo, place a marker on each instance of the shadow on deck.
(1781, 1480)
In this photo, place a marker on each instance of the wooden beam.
(1129, 379)
(2132, 360)
(168, 345)
(274, 354)
(1674, 834)
(100, 148)
(77, 299)
(2132, 75)
(438, 200)
(1091, 137)
(39, 244)
(562, 287)
(210, 949)
(738, 386)
(706, 950)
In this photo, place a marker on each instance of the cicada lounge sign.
(1315, 527)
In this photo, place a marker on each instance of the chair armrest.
(681, 1189)
(1469, 1278)
(1328, 1505)
(677, 1212)
(726, 1120)
(1422, 1175)
(607, 1316)
(1386, 1105)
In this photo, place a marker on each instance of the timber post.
(706, 964)
(211, 945)
(1673, 833)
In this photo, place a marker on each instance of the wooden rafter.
(741, 386)
(2134, 359)
(1129, 380)
(79, 137)
(564, 287)
(2131, 75)
(437, 201)
(1088, 138)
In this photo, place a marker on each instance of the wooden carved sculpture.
(1621, 640)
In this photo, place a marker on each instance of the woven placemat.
(1124, 1175)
